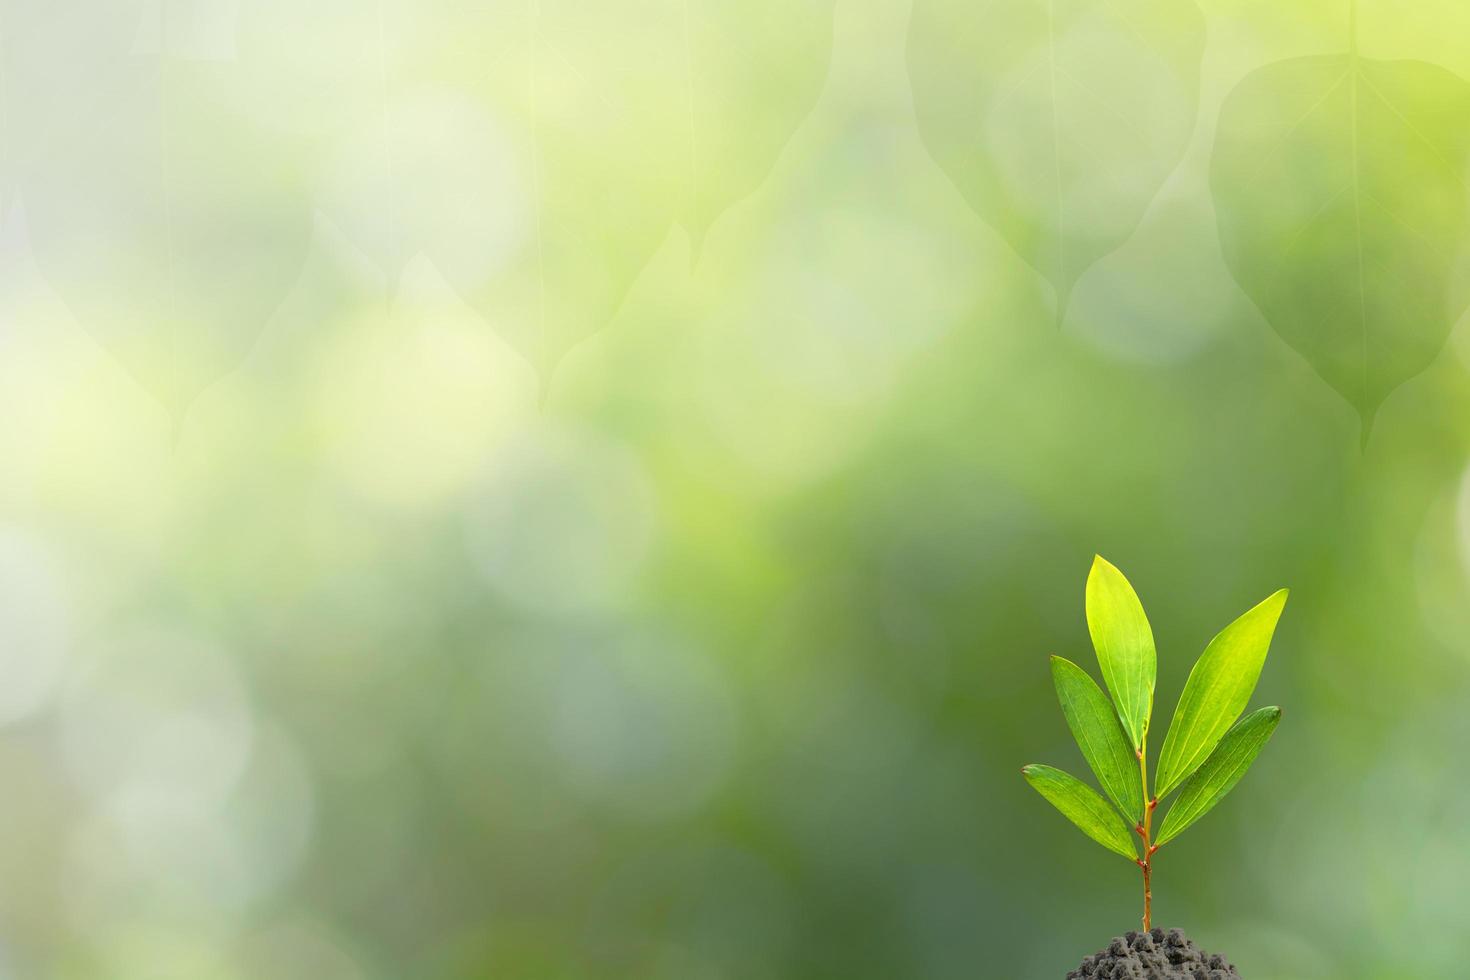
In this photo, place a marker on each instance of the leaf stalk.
(1145, 829)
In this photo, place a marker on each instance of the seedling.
(1206, 750)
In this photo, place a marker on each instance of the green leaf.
(1339, 186)
(1082, 805)
(1218, 776)
(1058, 120)
(1217, 691)
(1125, 646)
(1100, 735)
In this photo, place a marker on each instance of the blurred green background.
(550, 489)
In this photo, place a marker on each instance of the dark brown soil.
(1154, 955)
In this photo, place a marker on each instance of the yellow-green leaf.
(1125, 646)
(1339, 184)
(1082, 805)
(1100, 735)
(1218, 776)
(1218, 689)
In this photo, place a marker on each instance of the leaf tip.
(1063, 301)
(1273, 603)
(1059, 665)
(1365, 427)
(1099, 573)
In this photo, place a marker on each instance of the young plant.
(1206, 750)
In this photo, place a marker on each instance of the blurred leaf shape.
(1218, 776)
(1082, 805)
(1217, 691)
(159, 205)
(1339, 186)
(1058, 120)
(754, 71)
(1100, 736)
(540, 165)
(1125, 646)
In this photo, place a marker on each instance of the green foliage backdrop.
(553, 490)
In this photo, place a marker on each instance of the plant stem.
(1145, 828)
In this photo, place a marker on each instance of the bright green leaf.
(1218, 776)
(1058, 120)
(1100, 735)
(1218, 689)
(1339, 186)
(1082, 805)
(1125, 646)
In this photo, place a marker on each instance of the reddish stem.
(1144, 829)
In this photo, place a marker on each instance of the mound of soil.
(1154, 955)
